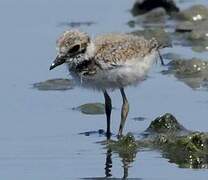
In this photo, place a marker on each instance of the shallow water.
(40, 133)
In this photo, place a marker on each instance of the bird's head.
(70, 45)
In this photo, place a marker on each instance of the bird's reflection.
(127, 158)
(108, 163)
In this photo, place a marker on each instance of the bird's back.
(118, 48)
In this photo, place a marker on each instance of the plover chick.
(108, 62)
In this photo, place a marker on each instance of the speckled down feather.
(109, 61)
(118, 48)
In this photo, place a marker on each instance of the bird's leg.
(124, 112)
(108, 108)
(161, 58)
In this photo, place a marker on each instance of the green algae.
(126, 147)
(187, 149)
(193, 72)
(165, 124)
(124, 144)
(91, 108)
(194, 13)
(58, 84)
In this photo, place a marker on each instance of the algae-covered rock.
(165, 124)
(199, 36)
(191, 67)
(190, 151)
(198, 39)
(126, 144)
(194, 26)
(189, 26)
(185, 26)
(194, 34)
(91, 108)
(157, 15)
(152, 19)
(126, 147)
(193, 72)
(195, 142)
(143, 6)
(99, 132)
(186, 148)
(194, 13)
(139, 118)
(54, 85)
(75, 24)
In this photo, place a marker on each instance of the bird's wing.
(113, 50)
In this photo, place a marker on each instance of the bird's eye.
(74, 49)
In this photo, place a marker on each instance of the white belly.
(130, 73)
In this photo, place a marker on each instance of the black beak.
(58, 61)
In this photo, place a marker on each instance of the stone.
(194, 13)
(165, 124)
(54, 85)
(91, 108)
(143, 6)
(193, 72)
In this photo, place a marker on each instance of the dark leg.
(108, 108)
(161, 58)
(108, 163)
(124, 112)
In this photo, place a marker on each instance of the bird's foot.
(119, 136)
(108, 135)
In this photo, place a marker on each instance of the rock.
(157, 15)
(126, 147)
(54, 85)
(139, 118)
(194, 13)
(195, 34)
(154, 18)
(193, 72)
(131, 23)
(185, 26)
(165, 124)
(75, 24)
(194, 142)
(199, 36)
(191, 67)
(143, 6)
(89, 133)
(188, 149)
(159, 33)
(125, 143)
(91, 108)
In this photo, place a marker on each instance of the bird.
(105, 63)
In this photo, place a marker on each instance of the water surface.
(40, 133)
